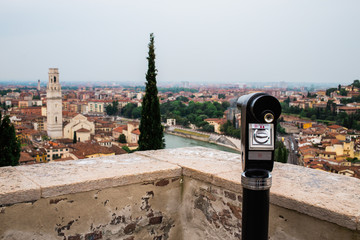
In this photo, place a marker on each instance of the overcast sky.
(196, 40)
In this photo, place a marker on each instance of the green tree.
(182, 98)
(207, 127)
(281, 152)
(221, 96)
(330, 90)
(75, 138)
(356, 83)
(228, 129)
(287, 101)
(280, 129)
(127, 149)
(9, 144)
(151, 131)
(122, 138)
(112, 109)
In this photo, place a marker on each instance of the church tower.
(54, 105)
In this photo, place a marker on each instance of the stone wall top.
(331, 197)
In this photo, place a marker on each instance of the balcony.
(187, 193)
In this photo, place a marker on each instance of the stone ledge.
(28, 183)
(325, 196)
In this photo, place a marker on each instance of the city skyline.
(200, 42)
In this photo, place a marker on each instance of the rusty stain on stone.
(235, 210)
(230, 195)
(155, 220)
(94, 235)
(56, 200)
(175, 179)
(76, 237)
(162, 182)
(130, 228)
(151, 214)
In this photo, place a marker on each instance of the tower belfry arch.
(54, 105)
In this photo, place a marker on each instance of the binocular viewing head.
(259, 114)
(262, 107)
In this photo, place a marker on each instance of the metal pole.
(255, 208)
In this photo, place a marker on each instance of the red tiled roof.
(83, 130)
(25, 157)
(118, 129)
(334, 127)
(136, 131)
(84, 149)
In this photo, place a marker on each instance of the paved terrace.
(186, 193)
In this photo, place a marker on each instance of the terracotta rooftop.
(334, 127)
(118, 129)
(83, 130)
(136, 131)
(25, 157)
(85, 149)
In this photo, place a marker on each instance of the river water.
(173, 141)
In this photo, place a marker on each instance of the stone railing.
(186, 193)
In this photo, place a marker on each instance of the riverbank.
(173, 141)
(200, 136)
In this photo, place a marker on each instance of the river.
(173, 141)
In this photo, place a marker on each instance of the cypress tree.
(9, 144)
(74, 139)
(151, 132)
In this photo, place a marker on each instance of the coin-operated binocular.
(259, 114)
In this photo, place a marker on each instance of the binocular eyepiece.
(262, 107)
(259, 114)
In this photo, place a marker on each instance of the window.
(56, 119)
(54, 79)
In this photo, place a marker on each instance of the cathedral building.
(83, 128)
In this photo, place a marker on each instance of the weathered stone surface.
(199, 162)
(229, 180)
(205, 160)
(85, 216)
(88, 174)
(323, 195)
(15, 187)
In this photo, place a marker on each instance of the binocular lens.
(269, 117)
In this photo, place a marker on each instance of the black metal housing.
(253, 108)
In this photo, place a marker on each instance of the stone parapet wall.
(187, 193)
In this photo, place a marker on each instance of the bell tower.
(54, 105)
